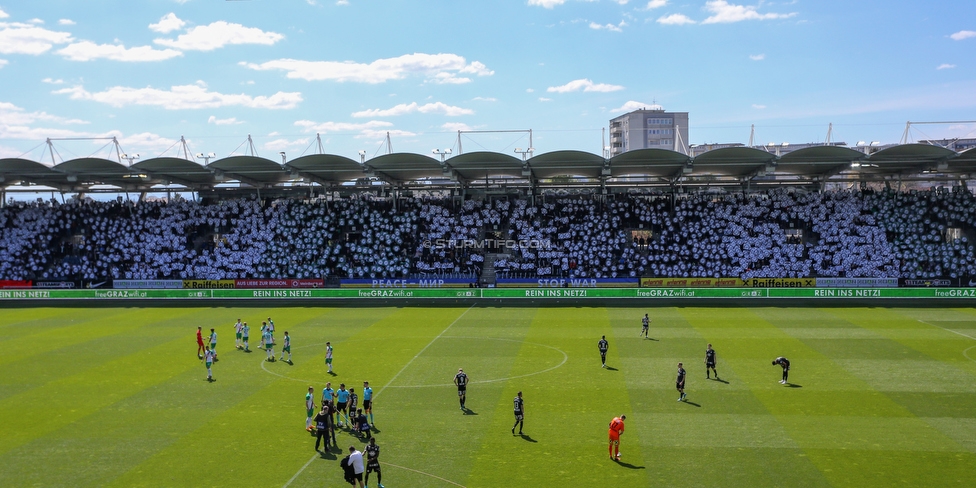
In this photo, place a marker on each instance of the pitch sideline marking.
(300, 471)
(425, 474)
(954, 332)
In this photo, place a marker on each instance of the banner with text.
(928, 282)
(690, 282)
(780, 282)
(407, 283)
(567, 283)
(207, 284)
(280, 283)
(148, 284)
(15, 284)
(857, 282)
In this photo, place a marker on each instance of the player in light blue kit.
(368, 401)
(342, 397)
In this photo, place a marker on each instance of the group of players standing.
(208, 352)
(616, 427)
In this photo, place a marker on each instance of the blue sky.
(151, 71)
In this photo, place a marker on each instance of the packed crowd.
(773, 234)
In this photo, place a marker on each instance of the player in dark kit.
(710, 362)
(603, 345)
(679, 383)
(519, 413)
(373, 461)
(785, 363)
(461, 380)
(645, 325)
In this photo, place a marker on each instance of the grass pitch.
(117, 397)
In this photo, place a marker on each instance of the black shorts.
(603, 353)
(462, 390)
(367, 404)
(710, 365)
(680, 385)
(373, 466)
(341, 406)
(518, 416)
(358, 476)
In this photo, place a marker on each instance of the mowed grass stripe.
(56, 333)
(567, 412)
(835, 423)
(268, 425)
(15, 322)
(63, 401)
(723, 435)
(35, 371)
(423, 428)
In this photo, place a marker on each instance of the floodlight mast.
(442, 153)
(130, 158)
(206, 157)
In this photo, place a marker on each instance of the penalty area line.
(300, 471)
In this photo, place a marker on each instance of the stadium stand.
(775, 233)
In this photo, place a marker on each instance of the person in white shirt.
(356, 461)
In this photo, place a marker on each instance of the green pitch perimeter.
(117, 397)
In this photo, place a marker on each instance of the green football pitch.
(117, 397)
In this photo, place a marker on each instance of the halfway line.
(300, 471)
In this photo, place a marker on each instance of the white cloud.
(283, 144)
(18, 38)
(675, 19)
(168, 23)
(144, 141)
(342, 2)
(3, 15)
(963, 34)
(445, 78)
(36, 20)
(88, 51)
(945, 66)
(546, 3)
(529, 90)
(405, 108)
(632, 105)
(758, 107)
(11, 114)
(66, 22)
(544, 99)
(52, 81)
(584, 85)
(382, 70)
(484, 99)
(182, 97)
(456, 126)
(610, 27)
(725, 13)
(341, 127)
(757, 57)
(231, 121)
(3, 62)
(381, 134)
(653, 4)
(219, 34)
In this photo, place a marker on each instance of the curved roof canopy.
(817, 160)
(732, 161)
(400, 167)
(327, 167)
(176, 170)
(905, 158)
(14, 170)
(566, 163)
(100, 171)
(661, 163)
(485, 164)
(252, 170)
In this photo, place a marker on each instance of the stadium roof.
(644, 166)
